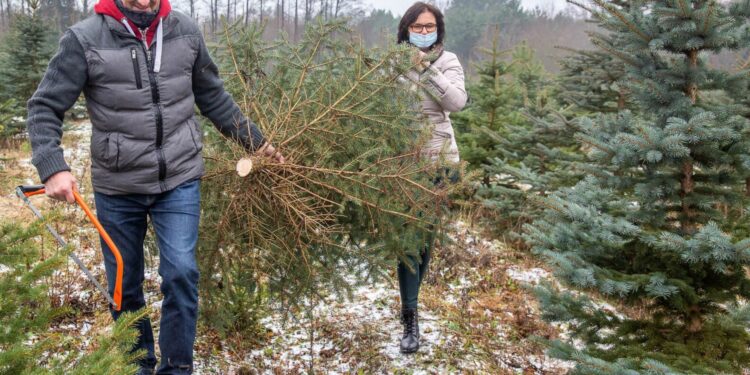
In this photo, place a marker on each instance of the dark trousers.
(175, 216)
(411, 275)
(412, 272)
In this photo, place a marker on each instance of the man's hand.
(270, 152)
(60, 186)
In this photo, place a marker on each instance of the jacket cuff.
(438, 80)
(53, 163)
(255, 140)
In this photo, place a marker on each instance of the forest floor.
(476, 313)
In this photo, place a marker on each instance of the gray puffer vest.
(145, 137)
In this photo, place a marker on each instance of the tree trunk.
(687, 183)
(60, 16)
(192, 9)
(695, 320)
(296, 20)
(247, 12)
(214, 15)
(261, 11)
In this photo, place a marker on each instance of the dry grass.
(496, 317)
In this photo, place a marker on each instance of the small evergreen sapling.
(25, 52)
(26, 315)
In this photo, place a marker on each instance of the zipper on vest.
(144, 39)
(157, 103)
(136, 68)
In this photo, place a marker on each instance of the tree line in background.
(30, 28)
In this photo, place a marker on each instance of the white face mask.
(423, 40)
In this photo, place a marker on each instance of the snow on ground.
(472, 316)
(369, 317)
(531, 276)
(362, 334)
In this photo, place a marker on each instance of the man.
(142, 69)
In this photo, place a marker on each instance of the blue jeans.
(175, 215)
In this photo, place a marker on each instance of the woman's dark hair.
(411, 16)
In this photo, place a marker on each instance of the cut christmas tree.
(354, 194)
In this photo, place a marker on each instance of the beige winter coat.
(442, 92)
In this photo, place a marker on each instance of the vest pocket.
(196, 133)
(136, 68)
(105, 150)
(113, 146)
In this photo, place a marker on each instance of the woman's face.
(425, 24)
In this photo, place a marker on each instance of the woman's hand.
(418, 58)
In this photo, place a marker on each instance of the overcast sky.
(399, 6)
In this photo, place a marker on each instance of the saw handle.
(32, 190)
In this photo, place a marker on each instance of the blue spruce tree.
(647, 230)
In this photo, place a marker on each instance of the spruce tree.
(496, 102)
(591, 81)
(517, 137)
(25, 52)
(11, 118)
(645, 230)
(532, 161)
(535, 159)
(26, 314)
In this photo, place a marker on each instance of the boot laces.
(410, 323)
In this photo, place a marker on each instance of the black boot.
(410, 341)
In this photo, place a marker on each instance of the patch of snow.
(531, 276)
(85, 328)
(156, 305)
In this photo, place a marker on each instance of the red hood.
(109, 8)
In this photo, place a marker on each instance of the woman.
(440, 79)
